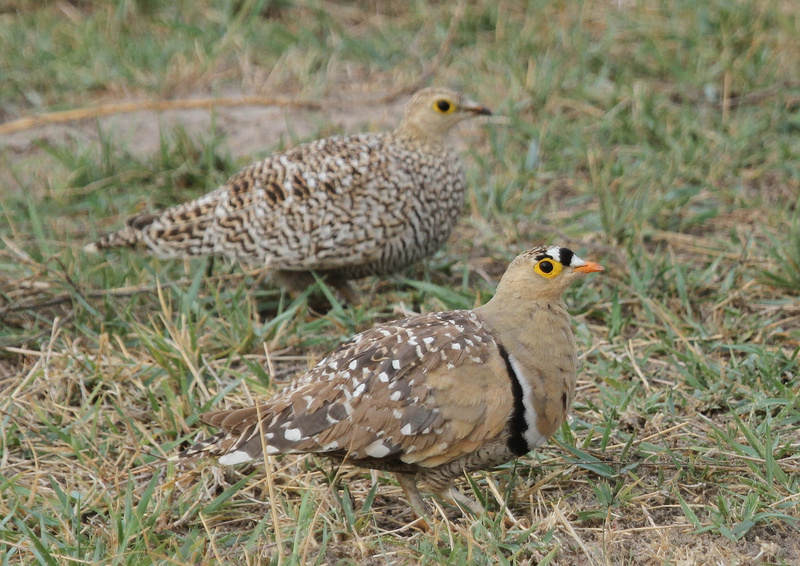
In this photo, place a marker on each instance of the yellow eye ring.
(444, 106)
(548, 268)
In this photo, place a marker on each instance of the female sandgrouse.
(431, 396)
(344, 206)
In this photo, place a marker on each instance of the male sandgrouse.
(344, 206)
(430, 396)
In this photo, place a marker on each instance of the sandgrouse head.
(432, 112)
(543, 273)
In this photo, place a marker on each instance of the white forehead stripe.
(555, 253)
(576, 261)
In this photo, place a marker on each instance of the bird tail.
(128, 237)
(167, 234)
(188, 229)
(228, 448)
(217, 445)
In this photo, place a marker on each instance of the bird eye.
(548, 268)
(444, 106)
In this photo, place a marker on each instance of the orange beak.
(590, 267)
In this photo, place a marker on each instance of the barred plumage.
(430, 396)
(345, 206)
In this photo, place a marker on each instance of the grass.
(657, 138)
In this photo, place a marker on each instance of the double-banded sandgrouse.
(431, 396)
(344, 206)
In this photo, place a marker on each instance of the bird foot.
(458, 499)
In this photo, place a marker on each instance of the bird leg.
(409, 484)
(349, 292)
(448, 493)
(296, 282)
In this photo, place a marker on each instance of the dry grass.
(659, 140)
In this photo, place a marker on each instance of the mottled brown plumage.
(345, 206)
(430, 396)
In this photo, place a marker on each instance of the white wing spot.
(237, 457)
(293, 434)
(377, 449)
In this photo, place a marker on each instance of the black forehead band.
(565, 256)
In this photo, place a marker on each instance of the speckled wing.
(321, 205)
(424, 391)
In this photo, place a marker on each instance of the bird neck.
(540, 346)
(532, 330)
(519, 320)
(410, 131)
